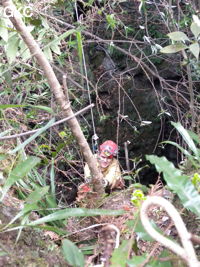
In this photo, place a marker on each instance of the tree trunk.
(59, 95)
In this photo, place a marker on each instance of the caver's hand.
(119, 184)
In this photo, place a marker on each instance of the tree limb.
(58, 93)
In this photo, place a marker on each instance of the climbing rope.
(186, 251)
(95, 138)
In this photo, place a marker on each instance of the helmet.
(108, 149)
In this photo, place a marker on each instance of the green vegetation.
(138, 62)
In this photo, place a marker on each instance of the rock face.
(128, 108)
(132, 106)
(32, 250)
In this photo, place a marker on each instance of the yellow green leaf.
(194, 49)
(173, 48)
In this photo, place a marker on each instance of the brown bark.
(59, 95)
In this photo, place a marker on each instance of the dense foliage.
(104, 47)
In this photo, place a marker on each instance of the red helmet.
(108, 149)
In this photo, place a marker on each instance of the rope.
(94, 137)
(186, 251)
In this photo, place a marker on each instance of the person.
(108, 165)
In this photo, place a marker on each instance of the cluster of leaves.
(137, 197)
(196, 181)
(180, 38)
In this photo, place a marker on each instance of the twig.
(195, 238)
(111, 226)
(126, 155)
(66, 92)
(56, 123)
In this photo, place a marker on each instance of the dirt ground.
(35, 248)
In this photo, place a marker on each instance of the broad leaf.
(178, 36)
(196, 19)
(194, 136)
(136, 261)
(195, 29)
(24, 51)
(12, 47)
(120, 254)
(48, 53)
(55, 48)
(21, 170)
(136, 224)
(141, 232)
(159, 263)
(174, 48)
(3, 30)
(37, 195)
(194, 48)
(75, 212)
(178, 183)
(72, 254)
(195, 26)
(155, 262)
(186, 137)
(61, 37)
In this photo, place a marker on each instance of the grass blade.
(75, 212)
(30, 139)
(21, 170)
(183, 132)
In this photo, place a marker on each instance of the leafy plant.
(112, 22)
(178, 183)
(196, 181)
(180, 39)
(137, 197)
(72, 254)
(19, 172)
(190, 138)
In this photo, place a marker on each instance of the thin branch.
(65, 87)
(55, 123)
(195, 238)
(147, 70)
